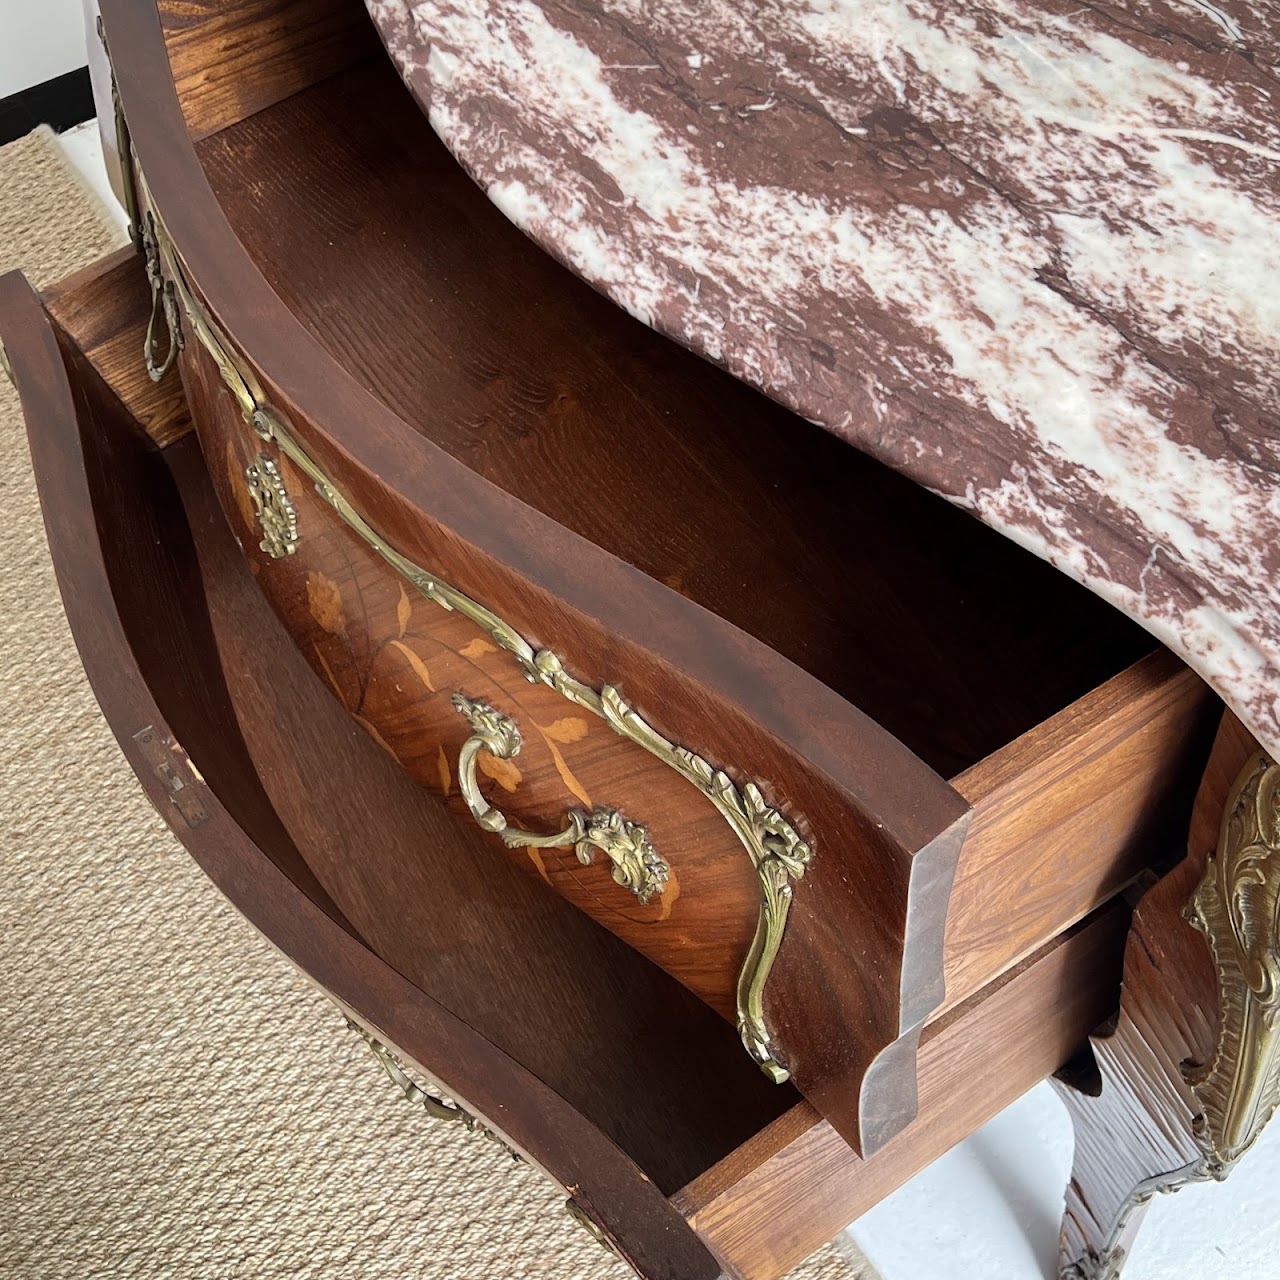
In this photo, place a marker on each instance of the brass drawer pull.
(637, 865)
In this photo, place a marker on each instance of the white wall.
(39, 39)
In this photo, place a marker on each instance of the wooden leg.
(1189, 1075)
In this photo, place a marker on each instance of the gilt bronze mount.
(636, 864)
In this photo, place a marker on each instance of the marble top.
(1025, 251)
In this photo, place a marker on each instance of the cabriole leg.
(1190, 1073)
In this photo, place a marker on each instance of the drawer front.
(554, 737)
(443, 686)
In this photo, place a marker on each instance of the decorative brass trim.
(164, 303)
(636, 864)
(774, 845)
(124, 147)
(275, 510)
(434, 1100)
(1109, 1261)
(1237, 908)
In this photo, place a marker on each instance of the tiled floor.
(991, 1206)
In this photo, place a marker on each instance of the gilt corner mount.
(1237, 908)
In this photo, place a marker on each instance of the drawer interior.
(749, 1164)
(951, 637)
(435, 900)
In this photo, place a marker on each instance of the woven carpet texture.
(175, 1101)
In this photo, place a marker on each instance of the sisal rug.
(175, 1101)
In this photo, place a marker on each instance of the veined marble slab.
(1025, 251)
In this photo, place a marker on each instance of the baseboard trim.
(64, 101)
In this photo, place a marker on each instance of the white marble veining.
(1026, 252)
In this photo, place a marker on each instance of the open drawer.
(739, 694)
(580, 1053)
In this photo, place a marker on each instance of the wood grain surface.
(104, 310)
(767, 1206)
(230, 58)
(1073, 811)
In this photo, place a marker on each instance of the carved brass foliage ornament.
(636, 864)
(592, 1228)
(770, 840)
(1237, 908)
(164, 306)
(276, 512)
(439, 1106)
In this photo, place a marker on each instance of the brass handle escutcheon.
(273, 506)
(637, 865)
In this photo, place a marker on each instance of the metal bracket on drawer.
(177, 773)
(589, 1225)
(438, 1105)
(773, 843)
(124, 148)
(164, 306)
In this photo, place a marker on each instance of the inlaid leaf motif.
(539, 863)
(570, 729)
(376, 736)
(566, 774)
(324, 601)
(404, 611)
(442, 766)
(476, 649)
(328, 671)
(503, 772)
(419, 667)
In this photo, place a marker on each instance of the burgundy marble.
(1025, 251)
